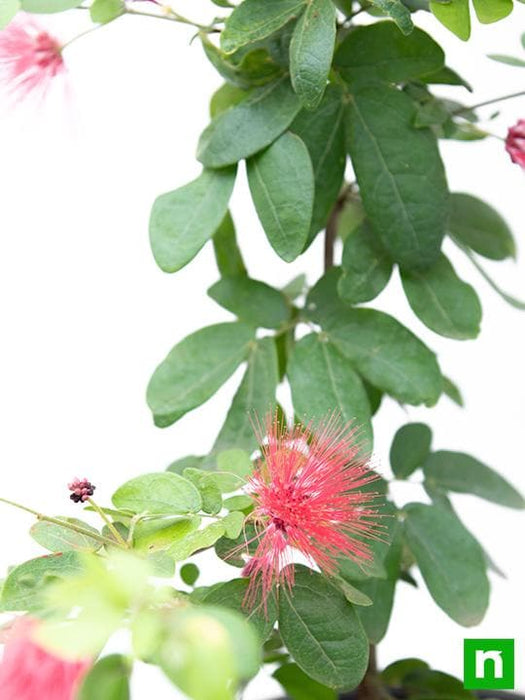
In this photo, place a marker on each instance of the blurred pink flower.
(309, 497)
(515, 143)
(30, 59)
(29, 672)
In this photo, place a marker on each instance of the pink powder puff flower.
(30, 59)
(515, 143)
(29, 672)
(307, 490)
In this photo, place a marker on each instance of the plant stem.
(170, 15)
(116, 534)
(331, 226)
(488, 102)
(370, 687)
(63, 523)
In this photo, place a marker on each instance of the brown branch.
(332, 225)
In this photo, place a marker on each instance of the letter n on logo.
(488, 663)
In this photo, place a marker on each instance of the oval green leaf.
(281, 180)
(182, 221)
(250, 126)
(195, 369)
(367, 266)
(459, 472)
(163, 493)
(400, 174)
(311, 51)
(323, 380)
(454, 15)
(410, 448)
(488, 11)
(251, 301)
(477, 225)
(444, 303)
(61, 539)
(108, 679)
(451, 562)
(321, 630)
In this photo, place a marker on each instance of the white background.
(86, 315)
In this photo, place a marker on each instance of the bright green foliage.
(281, 180)
(48, 6)
(451, 562)
(410, 448)
(163, 493)
(455, 15)
(455, 471)
(299, 686)
(184, 220)
(189, 573)
(443, 301)
(311, 51)
(103, 11)
(8, 9)
(56, 538)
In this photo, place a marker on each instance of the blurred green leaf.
(508, 60)
(459, 472)
(410, 448)
(444, 302)
(488, 11)
(394, 673)
(299, 686)
(107, 679)
(249, 126)
(103, 11)
(451, 562)
(226, 96)
(182, 221)
(196, 368)
(281, 182)
(400, 174)
(48, 6)
(8, 9)
(189, 573)
(163, 493)
(452, 391)
(311, 51)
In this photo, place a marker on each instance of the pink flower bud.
(81, 490)
(515, 143)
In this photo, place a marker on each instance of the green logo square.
(488, 663)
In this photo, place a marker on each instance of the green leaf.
(351, 593)
(179, 465)
(249, 126)
(451, 390)
(225, 97)
(424, 683)
(388, 355)
(108, 679)
(512, 301)
(238, 503)
(232, 595)
(376, 618)
(380, 52)
(252, 301)
(210, 493)
(394, 674)
(249, 69)
(163, 493)
(299, 686)
(196, 540)
(446, 76)
(236, 552)
(410, 448)
(255, 397)
(323, 380)
(311, 51)
(233, 524)
(8, 9)
(488, 11)
(48, 6)
(451, 562)
(295, 288)
(459, 472)
(189, 573)
(62, 539)
(322, 131)
(233, 466)
(400, 174)
(157, 535)
(477, 225)
(323, 304)
(227, 254)
(25, 586)
(399, 13)
(444, 303)
(182, 221)
(454, 15)
(367, 267)
(103, 11)
(195, 369)
(322, 631)
(281, 180)
(508, 60)
(253, 20)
